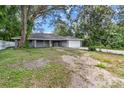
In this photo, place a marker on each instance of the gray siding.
(41, 43)
(64, 43)
(54, 43)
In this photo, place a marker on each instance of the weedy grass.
(101, 65)
(116, 62)
(52, 74)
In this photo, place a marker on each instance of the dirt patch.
(35, 64)
(30, 64)
(88, 61)
(70, 60)
(86, 74)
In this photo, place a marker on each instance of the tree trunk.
(23, 26)
(27, 20)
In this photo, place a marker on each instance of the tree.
(90, 22)
(24, 15)
(120, 15)
(69, 26)
(62, 29)
(9, 22)
(29, 14)
(95, 20)
(115, 37)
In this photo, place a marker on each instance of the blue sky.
(45, 26)
(41, 26)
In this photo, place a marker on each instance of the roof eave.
(17, 38)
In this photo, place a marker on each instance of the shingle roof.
(44, 36)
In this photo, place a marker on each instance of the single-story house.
(39, 40)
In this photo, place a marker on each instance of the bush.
(101, 65)
(26, 44)
(92, 48)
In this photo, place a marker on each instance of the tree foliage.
(94, 24)
(115, 37)
(69, 26)
(120, 15)
(62, 29)
(9, 22)
(95, 20)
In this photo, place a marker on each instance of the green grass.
(101, 65)
(53, 74)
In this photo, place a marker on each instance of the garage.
(74, 43)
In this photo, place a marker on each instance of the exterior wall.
(41, 43)
(46, 43)
(59, 43)
(31, 44)
(64, 43)
(74, 44)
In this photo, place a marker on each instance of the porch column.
(50, 43)
(35, 43)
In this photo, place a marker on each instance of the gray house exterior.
(42, 40)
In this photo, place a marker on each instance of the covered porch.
(47, 43)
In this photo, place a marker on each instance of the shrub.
(92, 48)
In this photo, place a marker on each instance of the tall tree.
(9, 22)
(94, 20)
(29, 14)
(24, 14)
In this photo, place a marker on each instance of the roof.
(45, 36)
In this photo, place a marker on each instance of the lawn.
(14, 74)
(21, 68)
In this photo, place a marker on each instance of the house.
(39, 40)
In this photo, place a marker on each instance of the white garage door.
(74, 44)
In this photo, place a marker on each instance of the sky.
(46, 26)
(43, 27)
